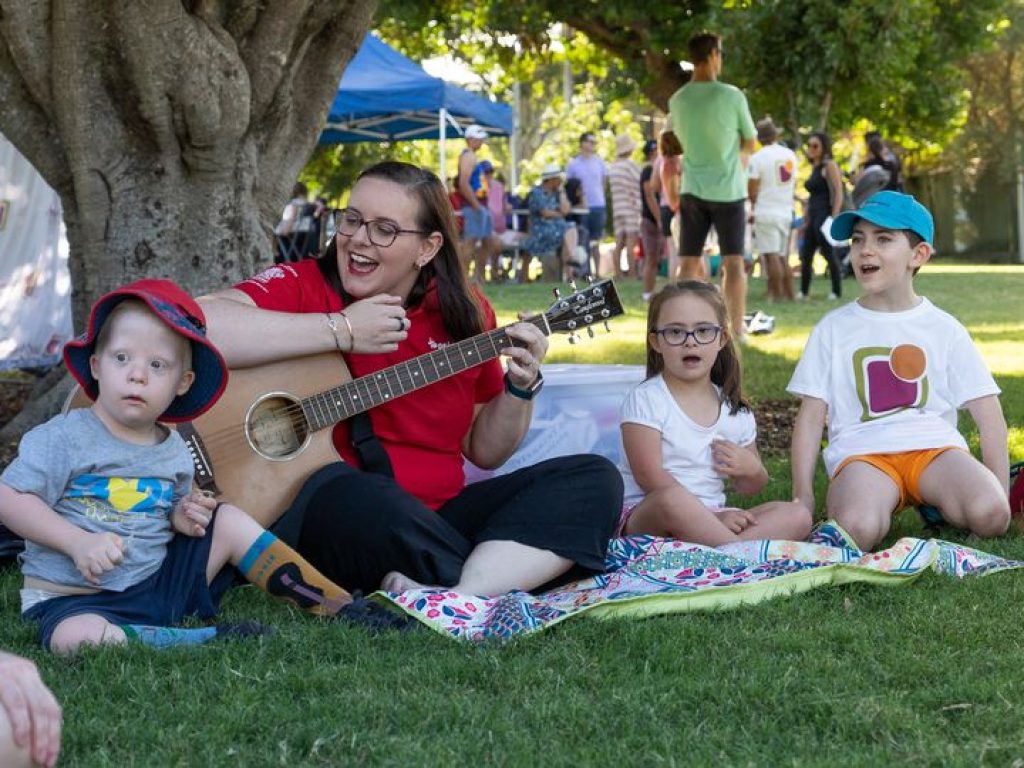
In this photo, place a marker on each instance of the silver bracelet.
(333, 325)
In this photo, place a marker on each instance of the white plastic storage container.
(577, 411)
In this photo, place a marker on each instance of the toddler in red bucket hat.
(118, 545)
(204, 374)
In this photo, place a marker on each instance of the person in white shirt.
(888, 373)
(687, 430)
(771, 182)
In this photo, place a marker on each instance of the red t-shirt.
(422, 431)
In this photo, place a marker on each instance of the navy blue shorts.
(697, 216)
(178, 589)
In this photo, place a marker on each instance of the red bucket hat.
(182, 314)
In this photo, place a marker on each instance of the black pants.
(814, 240)
(356, 526)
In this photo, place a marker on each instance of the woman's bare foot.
(394, 581)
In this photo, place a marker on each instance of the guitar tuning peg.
(558, 293)
(606, 327)
(572, 338)
(572, 284)
(590, 331)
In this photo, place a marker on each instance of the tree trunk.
(173, 131)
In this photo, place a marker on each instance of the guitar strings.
(298, 412)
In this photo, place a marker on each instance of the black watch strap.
(525, 394)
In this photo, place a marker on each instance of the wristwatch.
(525, 394)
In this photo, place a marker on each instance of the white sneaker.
(646, 296)
(800, 296)
(832, 297)
(759, 323)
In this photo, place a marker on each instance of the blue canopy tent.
(385, 96)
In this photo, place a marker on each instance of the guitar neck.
(328, 408)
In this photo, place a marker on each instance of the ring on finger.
(401, 324)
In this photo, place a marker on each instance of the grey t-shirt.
(101, 484)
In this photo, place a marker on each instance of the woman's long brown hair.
(460, 310)
(726, 371)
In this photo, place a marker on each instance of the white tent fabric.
(35, 286)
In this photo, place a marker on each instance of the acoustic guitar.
(271, 429)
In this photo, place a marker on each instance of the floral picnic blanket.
(648, 575)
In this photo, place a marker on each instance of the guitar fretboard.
(327, 408)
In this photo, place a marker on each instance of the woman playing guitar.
(389, 288)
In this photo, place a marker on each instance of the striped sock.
(279, 570)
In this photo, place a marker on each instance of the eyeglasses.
(381, 232)
(676, 335)
(813, 145)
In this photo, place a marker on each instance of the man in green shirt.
(712, 122)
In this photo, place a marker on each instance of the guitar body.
(257, 440)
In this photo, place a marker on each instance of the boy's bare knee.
(863, 528)
(71, 634)
(988, 519)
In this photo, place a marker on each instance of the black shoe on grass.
(236, 630)
(373, 616)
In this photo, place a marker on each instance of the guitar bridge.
(200, 460)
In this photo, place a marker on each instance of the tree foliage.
(811, 64)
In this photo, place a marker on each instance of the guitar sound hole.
(276, 428)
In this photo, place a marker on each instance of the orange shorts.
(904, 469)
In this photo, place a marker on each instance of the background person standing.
(479, 243)
(824, 201)
(712, 121)
(592, 174)
(650, 226)
(771, 181)
(624, 182)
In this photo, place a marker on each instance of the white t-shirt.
(685, 445)
(892, 381)
(290, 217)
(775, 167)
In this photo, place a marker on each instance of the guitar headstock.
(595, 303)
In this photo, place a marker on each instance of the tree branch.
(664, 76)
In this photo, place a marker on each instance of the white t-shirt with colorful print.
(892, 381)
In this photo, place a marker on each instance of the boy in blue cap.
(118, 546)
(888, 373)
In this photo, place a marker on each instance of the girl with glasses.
(686, 432)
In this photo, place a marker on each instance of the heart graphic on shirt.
(124, 495)
(786, 171)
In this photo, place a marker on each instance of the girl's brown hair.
(669, 144)
(460, 310)
(726, 371)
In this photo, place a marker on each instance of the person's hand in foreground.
(34, 714)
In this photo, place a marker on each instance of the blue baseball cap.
(890, 210)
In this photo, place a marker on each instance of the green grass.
(925, 674)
